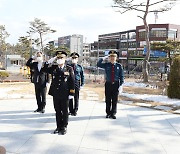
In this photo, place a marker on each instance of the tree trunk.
(169, 56)
(41, 42)
(146, 59)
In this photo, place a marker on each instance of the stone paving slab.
(166, 108)
(177, 111)
(136, 130)
(144, 104)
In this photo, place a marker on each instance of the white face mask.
(39, 59)
(74, 61)
(61, 61)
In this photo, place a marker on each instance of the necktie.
(112, 73)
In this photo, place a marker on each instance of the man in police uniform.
(114, 79)
(61, 88)
(79, 82)
(40, 80)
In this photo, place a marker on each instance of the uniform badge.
(66, 73)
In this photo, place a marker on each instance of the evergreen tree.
(173, 90)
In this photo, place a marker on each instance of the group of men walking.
(67, 80)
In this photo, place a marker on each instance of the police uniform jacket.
(78, 73)
(39, 77)
(62, 84)
(118, 76)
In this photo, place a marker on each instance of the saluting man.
(61, 88)
(114, 79)
(40, 80)
(79, 82)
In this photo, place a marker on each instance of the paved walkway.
(136, 130)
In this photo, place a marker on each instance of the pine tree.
(173, 90)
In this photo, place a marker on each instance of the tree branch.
(140, 17)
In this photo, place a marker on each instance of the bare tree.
(145, 7)
(3, 45)
(40, 27)
(3, 35)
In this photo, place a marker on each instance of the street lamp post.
(156, 15)
(98, 56)
(6, 57)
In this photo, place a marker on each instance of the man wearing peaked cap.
(60, 52)
(79, 82)
(61, 88)
(114, 80)
(113, 53)
(74, 55)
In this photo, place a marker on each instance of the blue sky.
(87, 17)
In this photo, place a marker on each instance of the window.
(123, 45)
(132, 62)
(172, 34)
(158, 33)
(132, 35)
(123, 36)
(142, 34)
(132, 45)
(14, 62)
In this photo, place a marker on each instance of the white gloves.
(120, 89)
(34, 58)
(104, 58)
(47, 84)
(70, 97)
(51, 60)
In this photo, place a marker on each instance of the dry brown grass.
(98, 88)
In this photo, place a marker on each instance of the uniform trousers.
(61, 109)
(40, 91)
(111, 97)
(74, 103)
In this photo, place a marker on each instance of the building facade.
(73, 42)
(131, 44)
(54, 43)
(14, 62)
(85, 58)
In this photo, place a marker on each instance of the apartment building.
(73, 42)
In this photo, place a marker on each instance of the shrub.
(3, 75)
(173, 90)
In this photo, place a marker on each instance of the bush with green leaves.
(3, 75)
(173, 90)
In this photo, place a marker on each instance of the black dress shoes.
(56, 131)
(63, 131)
(107, 116)
(37, 110)
(74, 114)
(42, 111)
(113, 116)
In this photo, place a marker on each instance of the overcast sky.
(87, 17)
